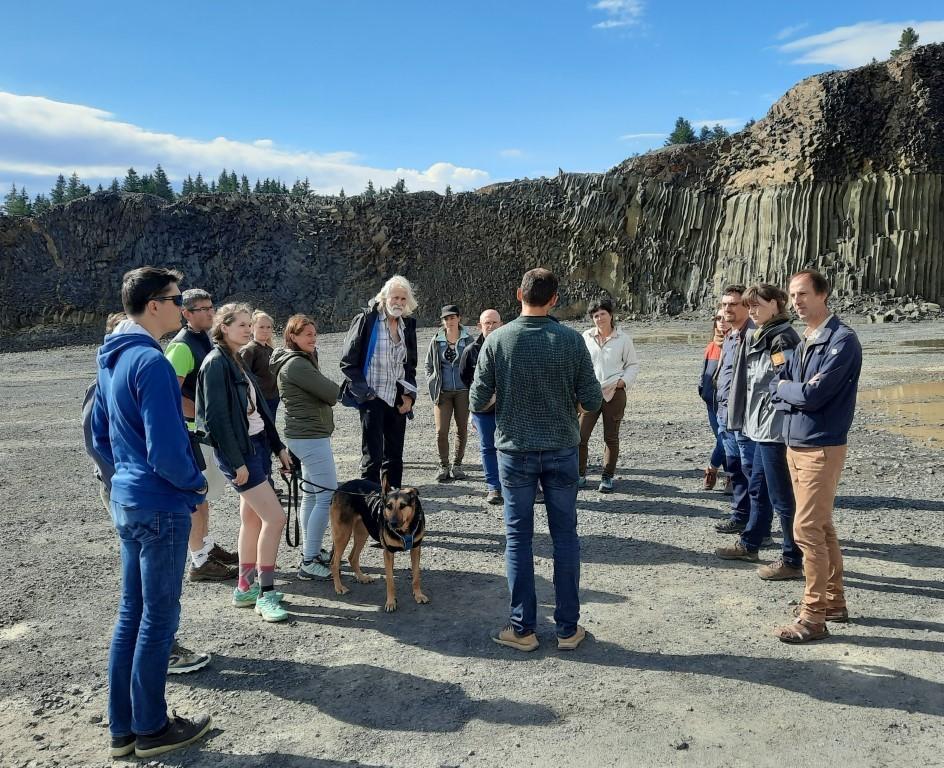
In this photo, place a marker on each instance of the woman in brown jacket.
(255, 356)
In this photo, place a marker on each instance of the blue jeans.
(717, 453)
(273, 404)
(153, 555)
(736, 450)
(771, 489)
(317, 467)
(485, 426)
(520, 473)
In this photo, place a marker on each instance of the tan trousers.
(612, 413)
(815, 475)
(452, 405)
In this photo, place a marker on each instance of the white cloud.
(41, 138)
(620, 13)
(786, 32)
(724, 122)
(638, 136)
(511, 152)
(858, 44)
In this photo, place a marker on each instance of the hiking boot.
(211, 570)
(582, 481)
(443, 475)
(511, 639)
(122, 746)
(571, 643)
(728, 489)
(457, 473)
(730, 526)
(315, 569)
(183, 660)
(248, 598)
(779, 571)
(267, 606)
(224, 556)
(711, 477)
(179, 732)
(737, 552)
(606, 485)
(494, 498)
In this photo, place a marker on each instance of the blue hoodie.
(138, 427)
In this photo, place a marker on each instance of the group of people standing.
(780, 406)
(167, 430)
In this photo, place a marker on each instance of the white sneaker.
(314, 570)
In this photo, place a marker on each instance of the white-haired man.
(379, 366)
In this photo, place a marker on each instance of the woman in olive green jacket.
(308, 397)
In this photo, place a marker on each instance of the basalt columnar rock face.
(845, 173)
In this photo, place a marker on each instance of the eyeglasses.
(201, 309)
(178, 299)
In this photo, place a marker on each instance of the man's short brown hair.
(820, 283)
(538, 287)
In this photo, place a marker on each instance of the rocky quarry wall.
(845, 173)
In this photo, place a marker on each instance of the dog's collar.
(406, 539)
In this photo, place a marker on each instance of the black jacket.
(200, 346)
(354, 390)
(222, 400)
(470, 356)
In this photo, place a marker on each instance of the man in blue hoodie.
(818, 394)
(138, 428)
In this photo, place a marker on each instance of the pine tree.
(683, 133)
(233, 182)
(704, 134)
(132, 182)
(244, 185)
(449, 192)
(186, 187)
(257, 190)
(749, 123)
(399, 188)
(907, 42)
(161, 184)
(115, 186)
(199, 185)
(147, 184)
(58, 193)
(213, 188)
(41, 205)
(74, 187)
(100, 188)
(341, 196)
(16, 203)
(370, 193)
(718, 131)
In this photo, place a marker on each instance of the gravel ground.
(681, 669)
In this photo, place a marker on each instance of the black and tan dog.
(396, 520)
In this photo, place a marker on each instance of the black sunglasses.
(178, 299)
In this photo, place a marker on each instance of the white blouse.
(612, 360)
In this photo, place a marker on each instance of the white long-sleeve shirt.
(615, 359)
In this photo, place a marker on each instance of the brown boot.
(211, 570)
(737, 552)
(711, 477)
(779, 571)
(224, 556)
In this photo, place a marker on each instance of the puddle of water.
(924, 343)
(917, 409)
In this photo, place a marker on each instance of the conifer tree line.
(17, 202)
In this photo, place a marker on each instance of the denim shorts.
(259, 464)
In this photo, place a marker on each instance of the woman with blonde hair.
(256, 355)
(234, 415)
(379, 366)
(308, 396)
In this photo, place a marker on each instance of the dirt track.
(681, 668)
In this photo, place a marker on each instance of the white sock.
(199, 556)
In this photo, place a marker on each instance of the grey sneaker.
(606, 485)
(443, 475)
(457, 473)
(183, 660)
(316, 569)
(582, 481)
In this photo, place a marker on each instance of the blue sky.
(436, 92)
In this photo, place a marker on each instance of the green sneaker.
(248, 598)
(267, 606)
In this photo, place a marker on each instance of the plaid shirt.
(386, 366)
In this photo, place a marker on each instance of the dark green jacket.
(307, 394)
(222, 400)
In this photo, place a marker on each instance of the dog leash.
(292, 481)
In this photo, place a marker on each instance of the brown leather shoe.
(779, 571)
(737, 552)
(211, 570)
(711, 477)
(224, 556)
(834, 615)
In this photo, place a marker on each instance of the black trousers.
(383, 429)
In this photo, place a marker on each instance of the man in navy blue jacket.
(138, 428)
(818, 393)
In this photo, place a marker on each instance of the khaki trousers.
(612, 413)
(815, 476)
(451, 405)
